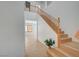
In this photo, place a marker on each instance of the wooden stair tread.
(65, 40)
(73, 44)
(70, 51)
(63, 35)
(54, 52)
(62, 32)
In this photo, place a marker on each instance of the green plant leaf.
(49, 42)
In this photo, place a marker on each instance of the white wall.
(12, 29)
(69, 13)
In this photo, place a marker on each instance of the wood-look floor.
(70, 49)
(33, 48)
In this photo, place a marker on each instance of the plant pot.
(49, 46)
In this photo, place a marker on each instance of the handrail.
(39, 10)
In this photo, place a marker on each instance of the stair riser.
(64, 36)
(61, 32)
(66, 40)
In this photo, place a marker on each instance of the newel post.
(59, 22)
(59, 40)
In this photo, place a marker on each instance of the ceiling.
(41, 3)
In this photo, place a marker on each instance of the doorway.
(31, 29)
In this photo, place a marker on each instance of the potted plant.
(49, 42)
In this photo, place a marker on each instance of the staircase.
(54, 24)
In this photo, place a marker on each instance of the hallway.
(33, 48)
